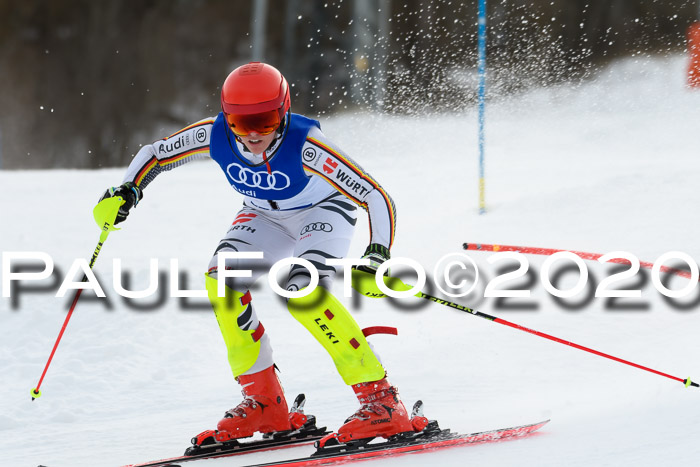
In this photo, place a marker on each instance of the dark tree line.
(84, 83)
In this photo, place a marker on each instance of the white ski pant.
(315, 234)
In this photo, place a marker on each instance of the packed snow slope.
(605, 166)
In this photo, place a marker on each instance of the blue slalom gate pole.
(482, 101)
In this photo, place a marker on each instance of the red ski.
(430, 439)
(234, 448)
(329, 450)
(205, 446)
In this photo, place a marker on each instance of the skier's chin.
(257, 144)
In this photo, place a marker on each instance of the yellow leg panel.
(243, 347)
(337, 331)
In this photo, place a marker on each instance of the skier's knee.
(300, 278)
(337, 331)
(228, 269)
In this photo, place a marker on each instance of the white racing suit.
(300, 199)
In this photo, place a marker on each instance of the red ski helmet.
(255, 97)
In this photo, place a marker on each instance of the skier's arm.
(190, 143)
(325, 160)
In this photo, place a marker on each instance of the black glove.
(130, 193)
(376, 254)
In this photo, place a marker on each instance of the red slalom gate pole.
(105, 214)
(581, 254)
(694, 50)
(686, 381)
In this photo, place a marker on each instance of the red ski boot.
(264, 408)
(382, 413)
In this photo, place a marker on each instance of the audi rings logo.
(317, 226)
(265, 181)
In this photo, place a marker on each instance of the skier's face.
(257, 143)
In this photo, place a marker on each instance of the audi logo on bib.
(317, 226)
(265, 181)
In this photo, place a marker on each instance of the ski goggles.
(262, 123)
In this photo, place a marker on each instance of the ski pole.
(551, 251)
(685, 381)
(369, 288)
(105, 214)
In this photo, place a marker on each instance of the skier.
(300, 193)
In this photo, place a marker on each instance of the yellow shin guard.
(243, 346)
(337, 331)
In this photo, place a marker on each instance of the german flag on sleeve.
(346, 176)
(189, 143)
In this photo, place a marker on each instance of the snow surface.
(609, 165)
